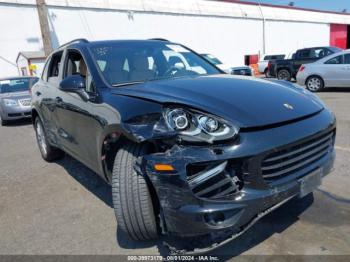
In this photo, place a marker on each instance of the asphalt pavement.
(64, 208)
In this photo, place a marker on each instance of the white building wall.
(227, 30)
(286, 37)
(227, 38)
(19, 31)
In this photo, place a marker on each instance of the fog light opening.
(215, 218)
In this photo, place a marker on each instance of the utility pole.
(44, 26)
(263, 28)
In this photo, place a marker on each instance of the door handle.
(58, 99)
(38, 93)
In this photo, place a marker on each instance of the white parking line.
(342, 148)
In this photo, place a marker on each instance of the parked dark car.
(286, 69)
(242, 70)
(189, 152)
(15, 98)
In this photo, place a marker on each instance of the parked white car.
(264, 61)
(230, 69)
(331, 71)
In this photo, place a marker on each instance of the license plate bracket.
(310, 182)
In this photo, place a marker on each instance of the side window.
(75, 65)
(335, 60)
(53, 70)
(347, 59)
(317, 53)
(304, 53)
(327, 52)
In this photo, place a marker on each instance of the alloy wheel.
(314, 84)
(41, 137)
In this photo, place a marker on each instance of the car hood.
(16, 95)
(246, 102)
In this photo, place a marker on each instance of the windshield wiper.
(128, 83)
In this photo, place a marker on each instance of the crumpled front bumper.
(186, 215)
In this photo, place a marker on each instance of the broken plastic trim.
(198, 251)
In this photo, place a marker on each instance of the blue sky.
(329, 5)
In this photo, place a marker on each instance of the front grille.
(14, 114)
(213, 181)
(24, 102)
(293, 158)
(245, 72)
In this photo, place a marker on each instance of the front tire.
(132, 200)
(284, 74)
(314, 84)
(4, 122)
(48, 152)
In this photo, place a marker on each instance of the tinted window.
(15, 85)
(318, 53)
(335, 60)
(212, 59)
(139, 61)
(347, 59)
(304, 53)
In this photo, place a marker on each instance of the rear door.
(44, 94)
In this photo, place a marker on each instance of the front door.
(77, 123)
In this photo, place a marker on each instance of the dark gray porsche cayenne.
(188, 150)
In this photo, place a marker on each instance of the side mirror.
(74, 84)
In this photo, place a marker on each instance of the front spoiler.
(198, 251)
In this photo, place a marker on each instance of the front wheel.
(132, 200)
(284, 74)
(48, 152)
(314, 84)
(4, 122)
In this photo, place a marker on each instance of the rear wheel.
(131, 196)
(48, 152)
(314, 84)
(284, 74)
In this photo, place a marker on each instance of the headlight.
(196, 126)
(10, 102)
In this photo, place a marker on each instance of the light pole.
(264, 20)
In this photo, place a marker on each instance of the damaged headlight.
(196, 126)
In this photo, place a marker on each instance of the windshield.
(128, 62)
(212, 59)
(15, 85)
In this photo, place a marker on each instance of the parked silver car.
(331, 71)
(15, 98)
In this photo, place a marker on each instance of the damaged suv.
(188, 150)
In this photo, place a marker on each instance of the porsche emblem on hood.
(288, 106)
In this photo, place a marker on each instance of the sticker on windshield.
(178, 48)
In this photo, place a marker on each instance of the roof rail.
(78, 40)
(159, 39)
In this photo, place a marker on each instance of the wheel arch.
(112, 141)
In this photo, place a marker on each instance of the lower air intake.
(213, 181)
